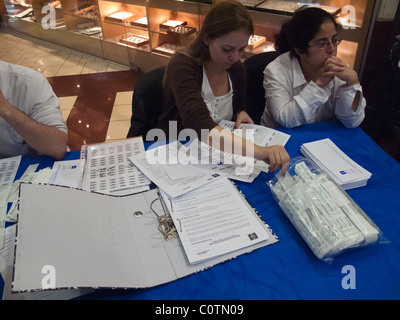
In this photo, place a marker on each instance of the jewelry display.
(255, 41)
(181, 30)
(168, 24)
(134, 41)
(120, 16)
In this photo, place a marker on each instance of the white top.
(291, 101)
(220, 108)
(31, 93)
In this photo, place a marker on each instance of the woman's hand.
(335, 67)
(276, 156)
(242, 117)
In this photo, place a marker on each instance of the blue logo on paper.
(343, 172)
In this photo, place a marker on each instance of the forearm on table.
(275, 156)
(44, 139)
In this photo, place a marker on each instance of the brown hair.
(225, 17)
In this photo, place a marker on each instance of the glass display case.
(145, 33)
(174, 25)
(82, 17)
(354, 15)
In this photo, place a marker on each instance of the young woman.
(204, 84)
(308, 83)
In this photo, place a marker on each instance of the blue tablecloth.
(288, 269)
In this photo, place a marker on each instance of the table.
(288, 269)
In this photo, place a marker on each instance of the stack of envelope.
(334, 162)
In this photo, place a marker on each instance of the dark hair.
(225, 17)
(301, 29)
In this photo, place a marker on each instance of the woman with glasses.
(308, 83)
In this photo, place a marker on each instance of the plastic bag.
(325, 216)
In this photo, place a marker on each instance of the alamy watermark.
(221, 148)
(49, 20)
(349, 20)
(349, 280)
(49, 279)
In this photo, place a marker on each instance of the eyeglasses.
(165, 224)
(323, 44)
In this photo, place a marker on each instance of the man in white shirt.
(31, 122)
(309, 83)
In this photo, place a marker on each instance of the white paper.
(107, 168)
(8, 171)
(178, 171)
(213, 220)
(12, 197)
(257, 134)
(334, 162)
(7, 252)
(149, 164)
(3, 212)
(66, 173)
(234, 166)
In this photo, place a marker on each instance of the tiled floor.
(48, 58)
(97, 107)
(95, 94)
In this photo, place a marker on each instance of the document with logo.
(214, 220)
(236, 167)
(334, 162)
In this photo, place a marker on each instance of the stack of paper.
(8, 171)
(106, 168)
(157, 165)
(257, 134)
(214, 220)
(334, 162)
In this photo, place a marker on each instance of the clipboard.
(94, 240)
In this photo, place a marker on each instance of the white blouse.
(291, 101)
(220, 108)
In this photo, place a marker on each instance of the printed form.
(108, 170)
(257, 134)
(154, 161)
(213, 220)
